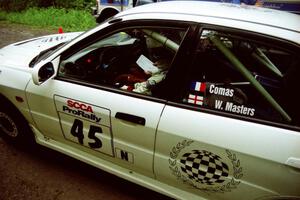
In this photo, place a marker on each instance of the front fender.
(13, 83)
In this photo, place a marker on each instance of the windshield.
(46, 53)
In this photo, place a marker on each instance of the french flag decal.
(195, 99)
(198, 86)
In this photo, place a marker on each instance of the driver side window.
(132, 59)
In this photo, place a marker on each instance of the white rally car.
(193, 100)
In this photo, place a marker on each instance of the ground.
(10, 33)
(36, 173)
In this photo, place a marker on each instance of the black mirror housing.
(46, 72)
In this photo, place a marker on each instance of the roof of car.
(230, 11)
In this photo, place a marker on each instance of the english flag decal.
(195, 99)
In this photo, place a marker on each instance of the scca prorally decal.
(81, 110)
(205, 170)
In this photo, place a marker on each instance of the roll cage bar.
(261, 57)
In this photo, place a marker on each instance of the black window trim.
(119, 26)
(111, 89)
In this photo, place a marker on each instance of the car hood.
(20, 54)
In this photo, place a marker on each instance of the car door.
(98, 102)
(234, 132)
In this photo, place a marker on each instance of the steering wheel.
(104, 60)
(108, 66)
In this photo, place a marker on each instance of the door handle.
(131, 118)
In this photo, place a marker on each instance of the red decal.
(78, 105)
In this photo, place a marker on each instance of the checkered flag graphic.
(204, 167)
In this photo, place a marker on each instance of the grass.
(52, 18)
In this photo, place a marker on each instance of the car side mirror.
(43, 73)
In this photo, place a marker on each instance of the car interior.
(106, 60)
(257, 70)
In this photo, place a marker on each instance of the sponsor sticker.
(85, 124)
(124, 155)
(204, 170)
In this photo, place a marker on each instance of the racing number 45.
(77, 131)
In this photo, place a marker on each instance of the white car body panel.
(223, 10)
(15, 82)
(17, 54)
(263, 161)
(292, 36)
(129, 141)
(15, 72)
(239, 137)
(115, 169)
(261, 21)
(252, 133)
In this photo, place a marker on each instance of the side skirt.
(109, 167)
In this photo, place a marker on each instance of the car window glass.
(245, 78)
(134, 59)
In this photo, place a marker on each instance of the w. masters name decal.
(223, 97)
(205, 170)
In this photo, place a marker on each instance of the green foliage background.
(71, 15)
(20, 5)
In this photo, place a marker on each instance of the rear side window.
(232, 74)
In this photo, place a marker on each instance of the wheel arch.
(27, 134)
(6, 102)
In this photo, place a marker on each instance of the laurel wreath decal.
(226, 187)
(237, 169)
